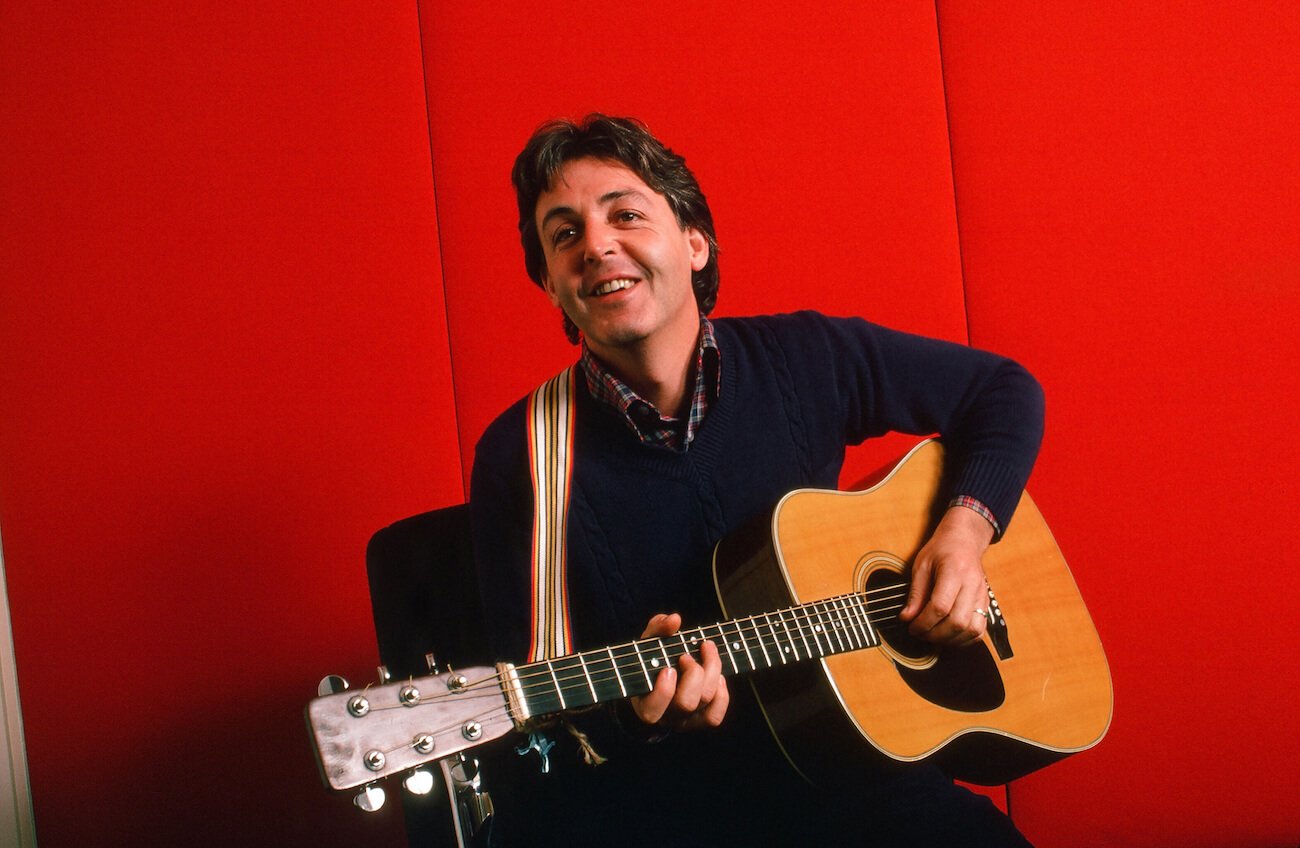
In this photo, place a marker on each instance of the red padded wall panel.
(223, 364)
(1126, 186)
(822, 147)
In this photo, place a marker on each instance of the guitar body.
(986, 713)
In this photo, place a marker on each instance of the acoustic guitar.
(813, 591)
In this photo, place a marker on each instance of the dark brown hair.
(627, 142)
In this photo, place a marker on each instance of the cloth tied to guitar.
(551, 409)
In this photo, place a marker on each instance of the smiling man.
(683, 429)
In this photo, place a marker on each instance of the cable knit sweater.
(795, 391)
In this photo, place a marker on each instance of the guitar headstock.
(362, 735)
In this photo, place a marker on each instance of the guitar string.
(491, 685)
(753, 639)
(628, 658)
(747, 629)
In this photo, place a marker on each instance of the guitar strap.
(550, 453)
(551, 409)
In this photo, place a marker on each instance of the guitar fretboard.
(818, 629)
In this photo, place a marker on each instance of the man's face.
(617, 261)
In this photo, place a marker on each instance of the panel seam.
(952, 175)
(442, 265)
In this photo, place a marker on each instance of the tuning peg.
(419, 782)
(432, 662)
(370, 799)
(331, 684)
(384, 676)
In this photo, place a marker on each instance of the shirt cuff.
(973, 503)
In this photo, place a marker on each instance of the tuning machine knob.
(370, 798)
(331, 684)
(419, 782)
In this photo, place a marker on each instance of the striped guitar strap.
(550, 453)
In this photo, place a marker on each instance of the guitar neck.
(811, 631)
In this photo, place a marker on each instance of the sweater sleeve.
(987, 408)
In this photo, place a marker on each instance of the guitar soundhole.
(964, 679)
(886, 583)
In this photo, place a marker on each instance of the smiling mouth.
(611, 286)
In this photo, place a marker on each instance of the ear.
(549, 289)
(698, 245)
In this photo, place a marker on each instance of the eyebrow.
(604, 200)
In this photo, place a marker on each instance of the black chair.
(424, 597)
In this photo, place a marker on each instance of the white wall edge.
(17, 822)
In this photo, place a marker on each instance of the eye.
(563, 233)
(626, 216)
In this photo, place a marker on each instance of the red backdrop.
(239, 331)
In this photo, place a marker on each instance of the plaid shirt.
(650, 425)
(653, 428)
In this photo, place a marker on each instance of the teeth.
(613, 286)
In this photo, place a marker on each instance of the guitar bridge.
(997, 630)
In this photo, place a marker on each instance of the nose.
(598, 241)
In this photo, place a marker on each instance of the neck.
(659, 370)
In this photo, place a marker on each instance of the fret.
(758, 634)
(722, 640)
(741, 644)
(575, 689)
(587, 674)
(558, 693)
(776, 642)
(658, 664)
(649, 684)
(663, 648)
(865, 612)
(827, 633)
(697, 640)
(538, 690)
(807, 651)
(631, 672)
(855, 612)
(818, 629)
(834, 625)
(602, 675)
(863, 623)
(617, 675)
(847, 624)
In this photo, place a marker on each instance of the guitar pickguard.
(964, 679)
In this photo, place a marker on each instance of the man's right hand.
(691, 696)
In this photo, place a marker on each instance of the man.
(684, 429)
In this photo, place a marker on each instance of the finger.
(919, 588)
(962, 625)
(711, 661)
(710, 715)
(690, 685)
(662, 625)
(977, 627)
(717, 708)
(936, 607)
(650, 708)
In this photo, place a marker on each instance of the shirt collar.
(646, 422)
